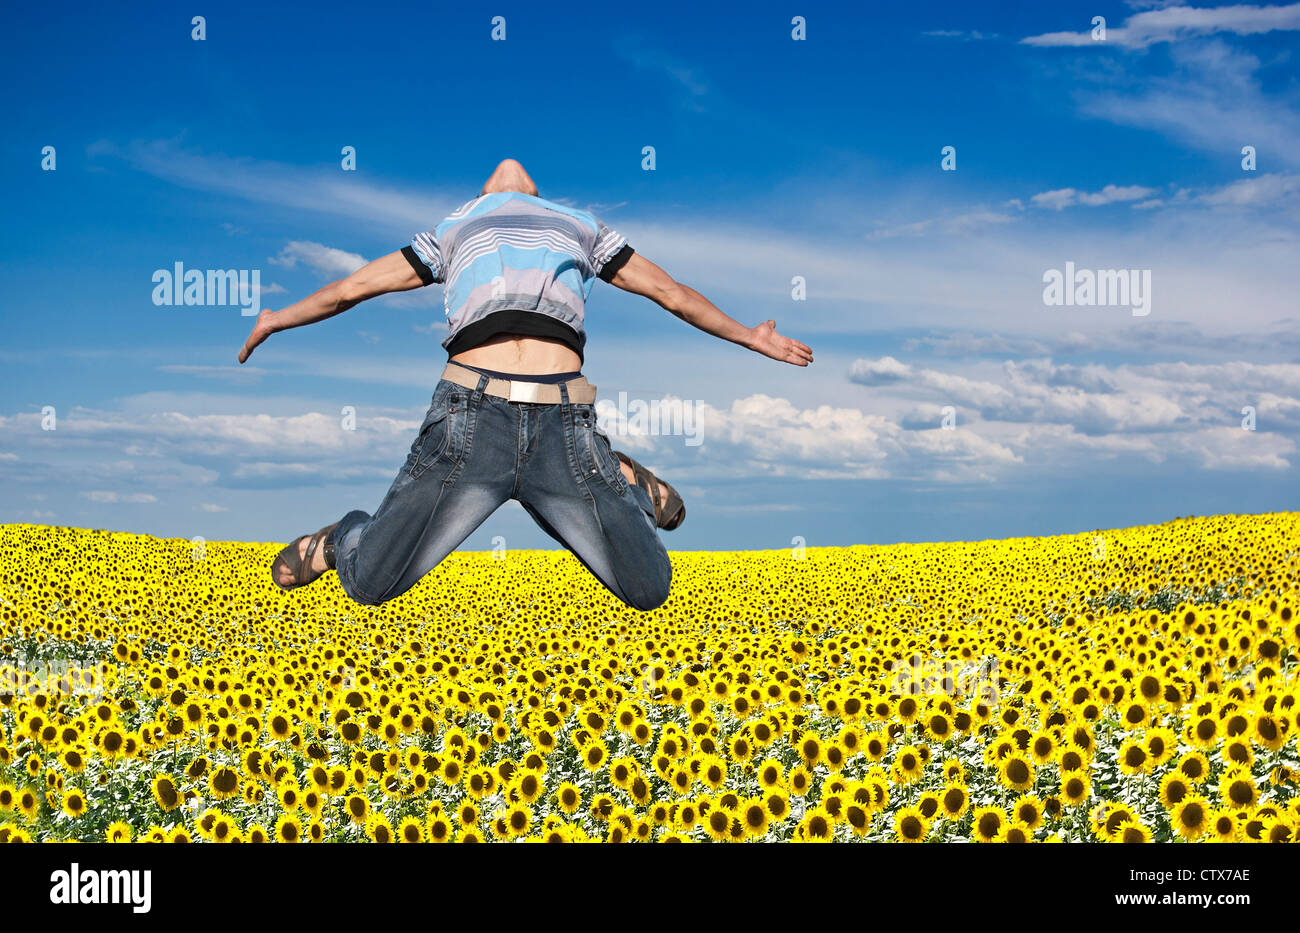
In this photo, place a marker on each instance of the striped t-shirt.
(514, 263)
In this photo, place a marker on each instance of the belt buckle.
(521, 391)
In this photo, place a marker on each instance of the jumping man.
(512, 416)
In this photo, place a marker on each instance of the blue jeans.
(474, 452)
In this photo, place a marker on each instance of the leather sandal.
(300, 567)
(671, 511)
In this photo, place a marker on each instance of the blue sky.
(775, 158)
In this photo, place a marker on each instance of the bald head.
(510, 176)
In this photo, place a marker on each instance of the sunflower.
(1161, 744)
(1075, 788)
(1194, 766)
(717, 824)
(357, 807)
(1203, 731)
(937, 726)
(1015, 832)
(754, 817)
(908, 764)
(987, 823)
(910, 825)
(713, 772)
(1043, 747)
(1277, 830)
(953, 801)
(1016, 772)
(1028, 810)
(379, 829)
(529, 785)
(222, 828)
(290, 796)
(602, 807)
(875, 745)
(288, 828)
(1132, 831)
(1174, 786)
(1238, 789)
(118, 832)
(1268, 732)
(778, 804)
(770, 773)
(1237, 753)
(816, 826)
(622, 770)
(858, 818)
(594, 754)
(224, 782)
(74, 802)
(1070, 757)
(1192, 817)
(1134, 757)
(437, 828)
(1223, 826)
(1135, 713)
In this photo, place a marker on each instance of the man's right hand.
(642, 277)
(767, 341)
(261, 330)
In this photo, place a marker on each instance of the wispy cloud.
(1174, 23)
(109, 496)
(240, 375)
(687, 78)
(1062, 198)
(298, 187)
(971, 35)
(952, 225)
(1151, 406)
(330, 261)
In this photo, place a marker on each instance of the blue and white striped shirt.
(514, 263)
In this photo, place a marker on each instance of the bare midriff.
(516, 353)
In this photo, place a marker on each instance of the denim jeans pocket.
(595, 455)
(441, 432)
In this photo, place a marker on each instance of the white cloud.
(1111, 194)
(1210, 98)
(1263, 191)
(1163, 410)
(235, 373)
(331, 262)
(967, 344)
(878, 372)
(952, 225)
(291, 186)
(1175, 23)
(973, 35)
(109, 496)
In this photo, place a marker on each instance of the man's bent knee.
(649, 592)
(359, 595)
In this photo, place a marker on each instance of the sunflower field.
(1131, 685)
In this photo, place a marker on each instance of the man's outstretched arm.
(391, 273)
(642, 277)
